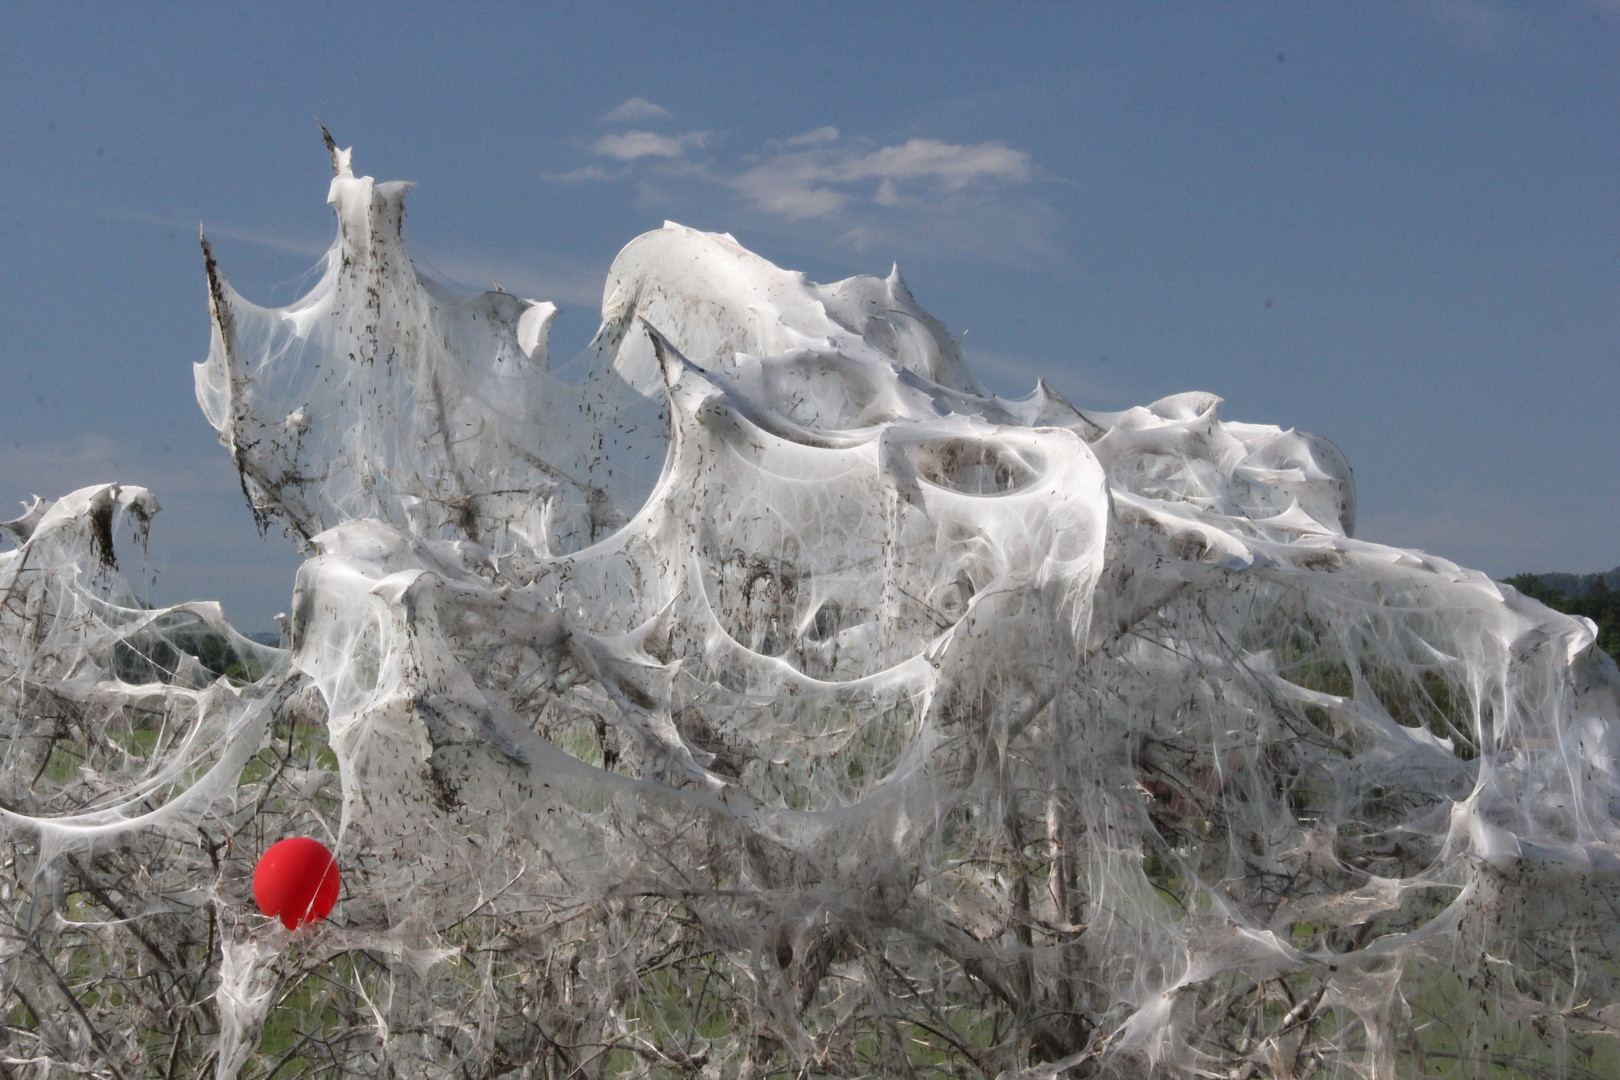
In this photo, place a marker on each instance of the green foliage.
(1600, 603)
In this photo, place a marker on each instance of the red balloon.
(296, 879)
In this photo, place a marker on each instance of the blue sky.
(1396, 224)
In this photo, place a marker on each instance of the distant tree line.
(1597, 596)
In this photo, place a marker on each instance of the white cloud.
(861, 238)
(791, 185)
(636, 109)
(819, 135)
(639, 144)
(965, 190)
(953, 165)
(587, 172)
(814, 182)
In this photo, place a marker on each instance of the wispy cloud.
(629, 145)
(791, 189)
(963, 192)
(811, 138)
(822, 180)
(636, 110)
(584, 173)
(819, 173)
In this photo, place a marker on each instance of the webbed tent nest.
(757, 695)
